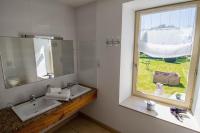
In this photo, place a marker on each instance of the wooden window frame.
(194, 58)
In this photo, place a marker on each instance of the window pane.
(165, 49)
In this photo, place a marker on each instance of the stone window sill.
(161, 112)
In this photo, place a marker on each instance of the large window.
(166, 53)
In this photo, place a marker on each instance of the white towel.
(63, 95)
(56, 95)
(55, 90)
(59, 99)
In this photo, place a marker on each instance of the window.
(166, 52)
(43, 57)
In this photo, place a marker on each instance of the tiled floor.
(81, 125)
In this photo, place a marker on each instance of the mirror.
(27, 60)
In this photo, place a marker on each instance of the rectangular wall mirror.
(27, 60)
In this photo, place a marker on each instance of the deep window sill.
(161, 112)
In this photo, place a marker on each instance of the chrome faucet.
(32, 98)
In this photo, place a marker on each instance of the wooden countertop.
(10, 123)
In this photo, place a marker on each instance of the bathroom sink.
(30, 109)
(78, 90)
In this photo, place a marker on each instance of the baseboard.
(112, 130)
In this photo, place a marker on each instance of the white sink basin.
(30, 109)
(78, 90)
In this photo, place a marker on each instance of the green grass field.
(145, 74)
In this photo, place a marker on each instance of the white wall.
(42, 17)
(86, 36)
(106, 108)
(196, 105)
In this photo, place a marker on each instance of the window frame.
(194, 58)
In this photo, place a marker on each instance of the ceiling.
(76, 3)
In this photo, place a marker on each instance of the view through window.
(165, 47)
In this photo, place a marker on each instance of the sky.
(182, 18)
